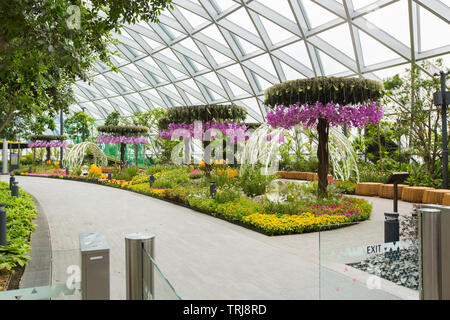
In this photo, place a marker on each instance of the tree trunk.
(136, 155)
(48, 154)
(122, 154)
(322, 156)
(207, 158)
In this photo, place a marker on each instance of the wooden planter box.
(299, 175)
(387, 190)
(446, 199)
(414, 194)
(367, 188)
(435, 196)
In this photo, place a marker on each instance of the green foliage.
(79, 123)
(126, 174)
(324, 89)
(45, 46)
(227, 194)
(123, 130)
(112, 119)
(47, 137)
(279, 208)
(20, 213)
(415, 110)
(204, 113)
(253, 182)
(344, 187)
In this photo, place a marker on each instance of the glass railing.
(355, 263)
(155, 285)
(65, 280)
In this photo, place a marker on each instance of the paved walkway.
(203, 257)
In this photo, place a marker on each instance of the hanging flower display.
(47, 142)
(123, 135)
(321, 103)
(197, 122)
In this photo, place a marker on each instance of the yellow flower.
(56, 163)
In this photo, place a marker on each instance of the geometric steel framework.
(221, 51)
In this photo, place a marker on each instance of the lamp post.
(84, 128)
(442, 98)
(61, 129)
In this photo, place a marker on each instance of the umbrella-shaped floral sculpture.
(122, 135)
(204, 122)
(47, 142)
(324, 102)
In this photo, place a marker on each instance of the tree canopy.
(45, 45)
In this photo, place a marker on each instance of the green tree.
(414, 106)
(45, 45)
(113, 119)
(79, 123)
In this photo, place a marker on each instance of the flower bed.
(20, 212)
(175, 184)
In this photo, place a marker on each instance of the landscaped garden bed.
(240, 196)
(14, 256)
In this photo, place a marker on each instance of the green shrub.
(226, 195)
(253, 182)
(280, 208)
(19, 212)
(126, 174)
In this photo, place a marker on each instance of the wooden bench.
(413, 194)
(367, 188)
(435, 196)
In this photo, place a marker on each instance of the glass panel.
(155, 286)
(65, 280)
(355, 262)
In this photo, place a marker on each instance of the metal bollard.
(135, 244)
(67, 171)
(94, 266)
(212, 188)
(151, 179)
(430, 253)
(3, 240)
(30, 169)
(11, 181)
(444, 244)
(15, 189)
(391, 232)
(109, 176)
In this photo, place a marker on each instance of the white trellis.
(74, 157)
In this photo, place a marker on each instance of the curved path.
(203, 257)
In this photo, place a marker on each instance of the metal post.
(67, 171)
(444, 244)
(94, 266)
(151, 179)
(5, 156)
(391, 232)
(61, 129)
(15, 189)
(3, 240)
(429, 244)
(135, 244)
(395, 197)
(11, 181)
(444, 131)
(212, 188)
(84, 128)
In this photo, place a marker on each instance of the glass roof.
(222, 51)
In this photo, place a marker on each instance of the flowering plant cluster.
(308, 115)
(122, 139)
(47, 144)
(198, 130)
